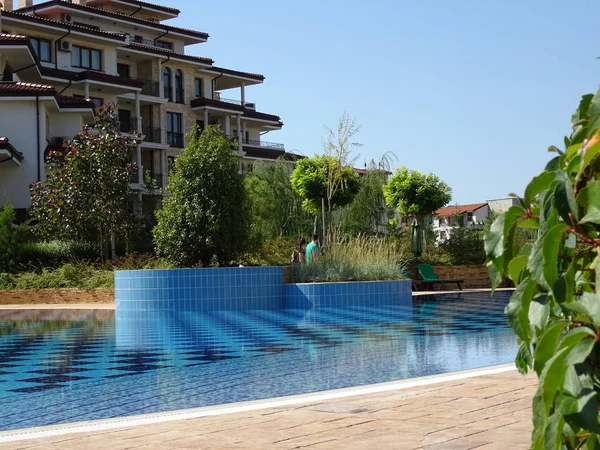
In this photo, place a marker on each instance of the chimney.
(25, 3)
(8, 5)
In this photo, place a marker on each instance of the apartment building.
(69, 56)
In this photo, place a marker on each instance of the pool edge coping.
(252, 405)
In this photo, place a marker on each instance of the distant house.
(450, 217)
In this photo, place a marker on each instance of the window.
(167, 84)
(175, 129)
(41, 47)
(163, 44)
(179, 93)
(87, 58)
(123, 70)
(198, 87)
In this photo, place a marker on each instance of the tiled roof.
(116, 15)
(166, 9)
(90, 75)
(12, 38)
(261, 152)
(171, 53)
(64, 26)
(458, 209)
(256, 76)
(20, 88)
(262, 116)
(66, 101)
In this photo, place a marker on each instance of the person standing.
(299, 251)
(312, 249)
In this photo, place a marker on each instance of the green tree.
(338, 145)
(204, 219)
(309, 181)
(415, 194)
(12, 239)
(368, 211)
(555, 309)
(276, 210)
(87, 191)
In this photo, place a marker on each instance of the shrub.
(56, 253)
(464, 246)
(12, 238)
(363, 258)
(273, 252)
(205, 217)
(67, 276)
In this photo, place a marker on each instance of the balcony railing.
(129, 126)
(152, 134)
(263, 144)
(151, 88)
(175, 139)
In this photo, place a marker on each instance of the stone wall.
(475, 276)
(56, 296)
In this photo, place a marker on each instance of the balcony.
(128, 126)
(175, 139)
(168, 92)
(151, 134)
(263, 144)
(151, 88)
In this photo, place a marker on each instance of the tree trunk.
(113, 246)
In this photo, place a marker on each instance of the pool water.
(66, 366)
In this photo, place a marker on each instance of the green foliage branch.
(555, 309)
(204, 219)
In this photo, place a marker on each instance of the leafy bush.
(464, 246)
(67, 276)
(363, 258)
(205, 217)
(12, 238)
(273, 252)
(57, 253)
(555, 309)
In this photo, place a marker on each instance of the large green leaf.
(553, 242)
(553, 432)
(524, 360)
(594, 115)
(589, 199)
(564, 197)
(583, 110)
(538, 184)
(547, 344)
(564, 288)
(517, 310)
(581, 410)
(588, 305)
(494, 238)
(516, 267)
(539, 314)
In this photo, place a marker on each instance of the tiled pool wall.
(140, 291)
(366, 293)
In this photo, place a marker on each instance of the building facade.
(450, 217)
(69, 56)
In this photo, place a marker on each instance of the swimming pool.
(66, 366)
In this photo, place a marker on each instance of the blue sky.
(474, 91)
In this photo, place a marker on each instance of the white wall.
(18, 122)
(63, 125)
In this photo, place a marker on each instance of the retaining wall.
(475, 276)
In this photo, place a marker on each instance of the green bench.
(429, 278)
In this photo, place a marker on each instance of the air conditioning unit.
(66, 18)
(65, 46)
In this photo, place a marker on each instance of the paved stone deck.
(487, 413)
